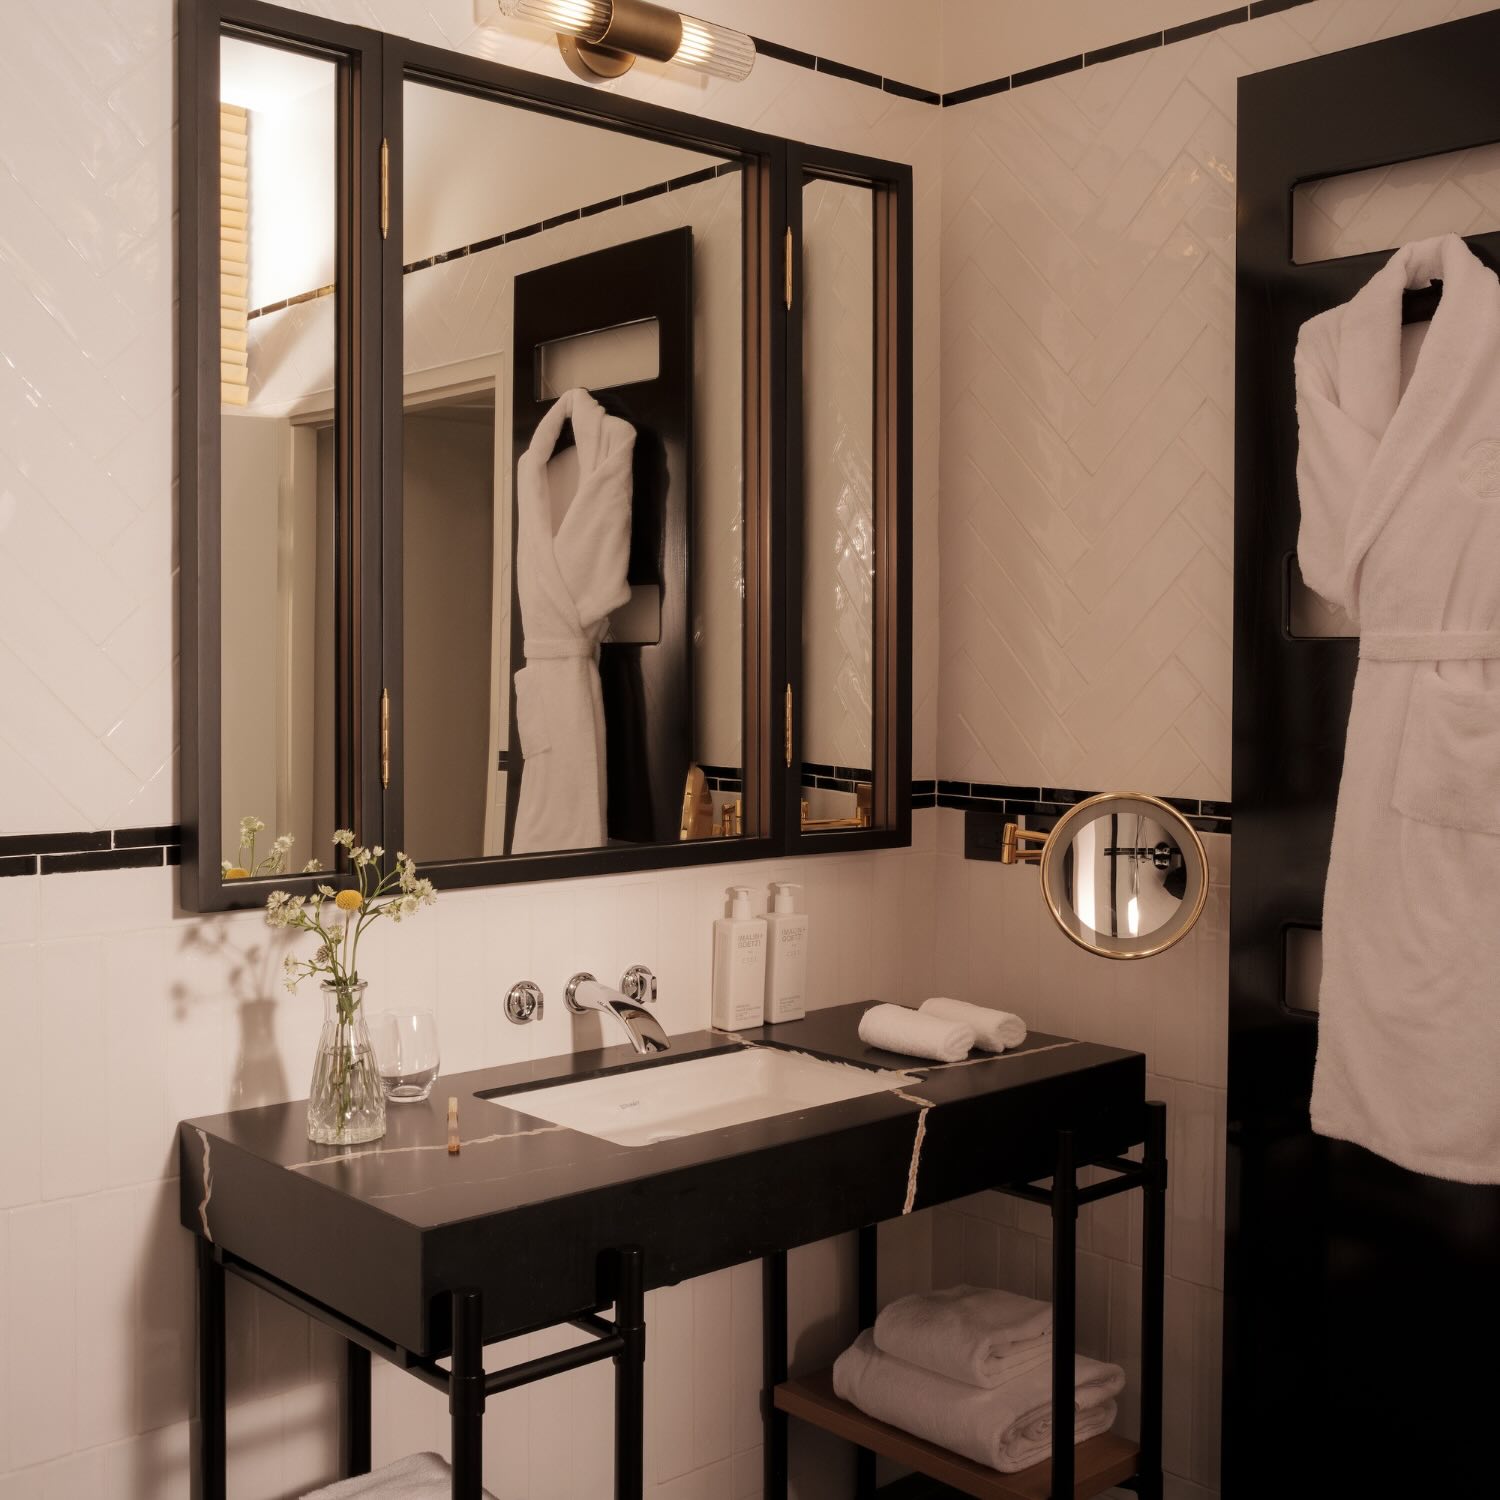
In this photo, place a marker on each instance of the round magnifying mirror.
(1125, 875)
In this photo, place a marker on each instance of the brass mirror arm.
(1014, 841)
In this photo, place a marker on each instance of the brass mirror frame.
(1025, 845)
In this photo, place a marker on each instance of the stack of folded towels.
(971, 1370)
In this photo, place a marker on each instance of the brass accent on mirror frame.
(787, 288)
(385, 189)
(385, 737)
(787, 725)
(864, 801)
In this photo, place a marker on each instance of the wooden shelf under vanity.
(1101, 1462)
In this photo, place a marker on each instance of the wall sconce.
(602, 38)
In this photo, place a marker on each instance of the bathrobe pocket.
(532, 721)
(1448, 767)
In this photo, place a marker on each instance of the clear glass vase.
(346, 1103)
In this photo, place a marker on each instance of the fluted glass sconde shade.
(715, 49)
(586, 18)
(611, 34)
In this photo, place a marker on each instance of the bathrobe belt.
(556, 650)
(1431, 645)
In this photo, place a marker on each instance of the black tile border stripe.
(1053, 801)
(1146, 43)
(100, 849)
(103, 859)
(441, 257)
(835, 69)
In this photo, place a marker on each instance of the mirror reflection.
(573, 574)
(838, 405)
(1125, 876)
(280, 463)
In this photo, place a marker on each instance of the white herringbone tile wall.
(1088, 389)
(1087, 443)
(130, 1015)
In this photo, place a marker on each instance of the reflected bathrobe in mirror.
(568, 582)
(1400, 492)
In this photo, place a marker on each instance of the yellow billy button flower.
(235, 873)
(348, 900)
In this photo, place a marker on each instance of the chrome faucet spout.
(585, 993)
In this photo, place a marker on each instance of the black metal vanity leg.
(630, 1377)
(1064, 1311)
(466, 1395)
(212, 1477)
(1153, 1283)
(773, 1322)
(866, 1282)
(354, 1444)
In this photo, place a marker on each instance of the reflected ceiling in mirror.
(573, 566)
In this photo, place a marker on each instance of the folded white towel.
(1008, 1427)
(894, 1028)
(418, 1476)
(994, 1030)
(967, 1333)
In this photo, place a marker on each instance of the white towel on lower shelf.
(967, 1333)
(418, 1476)
(994, 1030)
(1009, 1427)
(894, 1028)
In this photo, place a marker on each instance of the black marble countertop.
(528, 1210)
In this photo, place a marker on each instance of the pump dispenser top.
(739, 901)
(785, 901)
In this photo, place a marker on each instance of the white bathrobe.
(1400, 496)
(568, 582)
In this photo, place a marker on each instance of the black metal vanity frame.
(467, 1384)
(368, 425)
(1064, 1197)
(531, 1229)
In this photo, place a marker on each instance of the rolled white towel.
(1008, 1427)
(967, 1333)
(894, 1028)
(994, 1030)
(418, 1476)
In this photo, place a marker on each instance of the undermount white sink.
(642, 1106)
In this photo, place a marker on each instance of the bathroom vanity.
(641, 1172)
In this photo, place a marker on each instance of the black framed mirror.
(495, 511)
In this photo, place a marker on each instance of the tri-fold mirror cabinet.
(545, 471)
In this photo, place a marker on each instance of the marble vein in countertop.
(388, 1151)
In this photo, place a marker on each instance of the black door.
(1362, 1301)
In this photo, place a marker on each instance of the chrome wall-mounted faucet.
(585, 993)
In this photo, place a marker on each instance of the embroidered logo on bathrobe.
(1479, 470)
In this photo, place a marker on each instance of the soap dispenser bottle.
(739, 965)
(786, 956)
